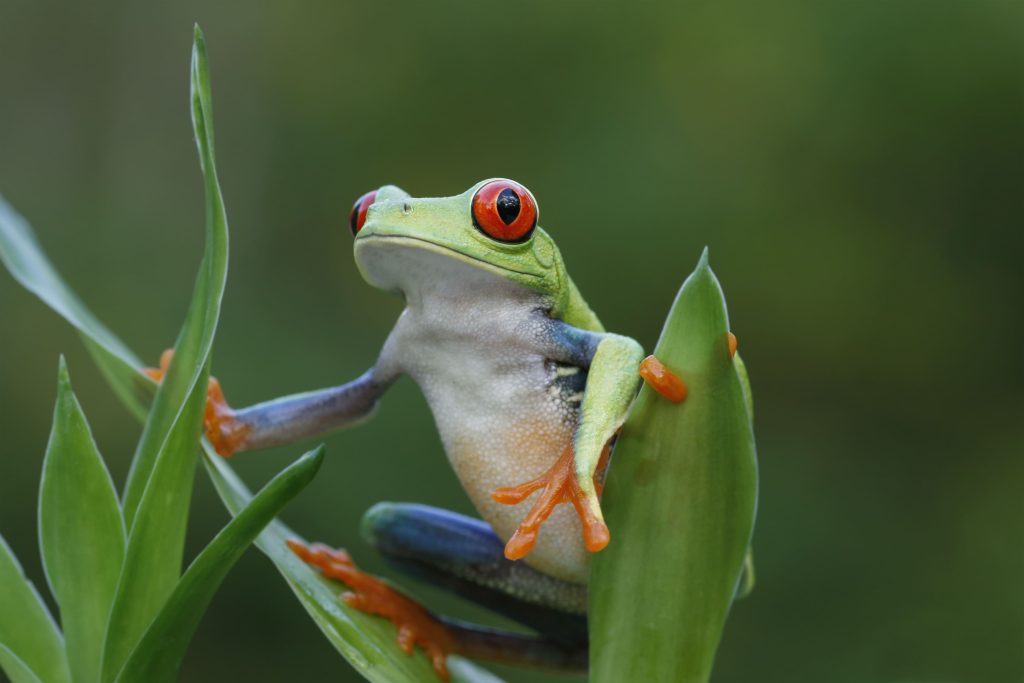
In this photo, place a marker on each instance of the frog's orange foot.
(416, 626)
(557, 485)
(225, 433)
(661, 379)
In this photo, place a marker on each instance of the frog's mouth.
(445, 250)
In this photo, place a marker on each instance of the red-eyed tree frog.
(527, 390)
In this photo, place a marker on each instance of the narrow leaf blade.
(158, 656)
(159, 485)
(81, 533)
(196, 337)
(680, 501)
(156, 540)
(27, 631)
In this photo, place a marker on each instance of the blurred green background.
(856, 168)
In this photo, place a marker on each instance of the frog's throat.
(446, 251)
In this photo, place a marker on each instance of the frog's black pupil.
(353, 218)
(508, 205)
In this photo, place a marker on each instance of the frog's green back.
(577, 311)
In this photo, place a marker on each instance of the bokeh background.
(857, 170)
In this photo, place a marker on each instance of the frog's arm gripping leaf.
(613, 377)
(612, 382)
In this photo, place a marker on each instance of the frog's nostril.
(357, 217)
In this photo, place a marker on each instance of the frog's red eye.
(505, 210)
(358, 215)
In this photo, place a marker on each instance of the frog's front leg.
(290, 418)
(612, 362)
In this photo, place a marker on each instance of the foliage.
(147, 601)
(126, 611)
(134, 619)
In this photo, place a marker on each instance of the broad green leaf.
(680, 502)
(81, 533)
(367, 642)
(158, 655)
(16, 669)
(159, 488)
(28, 634)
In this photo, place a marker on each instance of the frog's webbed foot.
(224, 432)
(558, 485)
(416, 626)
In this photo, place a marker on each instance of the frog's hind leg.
(466, 557)
(463, 555)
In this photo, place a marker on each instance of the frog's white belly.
(480, 363)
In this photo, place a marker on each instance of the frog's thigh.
(465, 556)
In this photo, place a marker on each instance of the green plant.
(127, 612)
(698, 455)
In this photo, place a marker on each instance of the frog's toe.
(416, 626)
(513, 495)
(225, 433)
(157, 374)
(661, 379)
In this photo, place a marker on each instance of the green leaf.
(81, 533)
(16, 669)
(20, 252)
(680, 502)
(159, 488)
(158, 655)
(367, 642)
(29, 638)
(196, 337)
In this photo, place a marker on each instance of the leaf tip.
(63, 376)
(316, 458)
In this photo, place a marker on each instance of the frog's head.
(407, 244)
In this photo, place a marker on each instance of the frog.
(527, 390)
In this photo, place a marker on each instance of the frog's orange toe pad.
(225, 433)
(596, 535)
(661, 379)
(521, 543)
(416, 626)
(557, 485)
